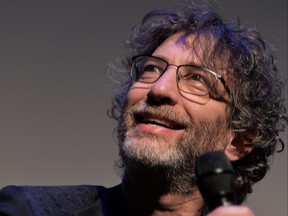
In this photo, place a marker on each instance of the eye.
(151, 68)
(194, 77)
(149, 71)
(197, 77)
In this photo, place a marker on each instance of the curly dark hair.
(257, 88)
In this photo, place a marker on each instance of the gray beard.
(172, 167)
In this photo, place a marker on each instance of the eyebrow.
(160, 56)
(188, 63)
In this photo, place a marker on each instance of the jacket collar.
(93, 210)
(110, 203)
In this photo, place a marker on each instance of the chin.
(150, 151)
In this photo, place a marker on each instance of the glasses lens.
(147, 69)
(195, 80)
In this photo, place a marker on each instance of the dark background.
(55, 91)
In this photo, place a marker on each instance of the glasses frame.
(218, 76)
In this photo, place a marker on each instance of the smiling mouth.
(156, 120)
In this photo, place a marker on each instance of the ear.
(240, 145)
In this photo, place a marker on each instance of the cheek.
(209, 112)
(135, 95)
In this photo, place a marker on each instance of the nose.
(165, 89)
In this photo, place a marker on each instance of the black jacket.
(83, 200)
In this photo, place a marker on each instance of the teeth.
(158, 122)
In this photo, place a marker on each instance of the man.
(194, 85)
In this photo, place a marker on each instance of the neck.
(148, 194)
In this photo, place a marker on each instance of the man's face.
(161, 127)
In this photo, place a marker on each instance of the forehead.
(190, 48)
(177, 48)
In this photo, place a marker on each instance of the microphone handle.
(216, 180)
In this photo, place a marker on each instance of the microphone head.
(215, 179)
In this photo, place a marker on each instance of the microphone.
(215, 179)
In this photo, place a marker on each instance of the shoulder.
(47, 200)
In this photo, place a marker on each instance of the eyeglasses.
(194, 82)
